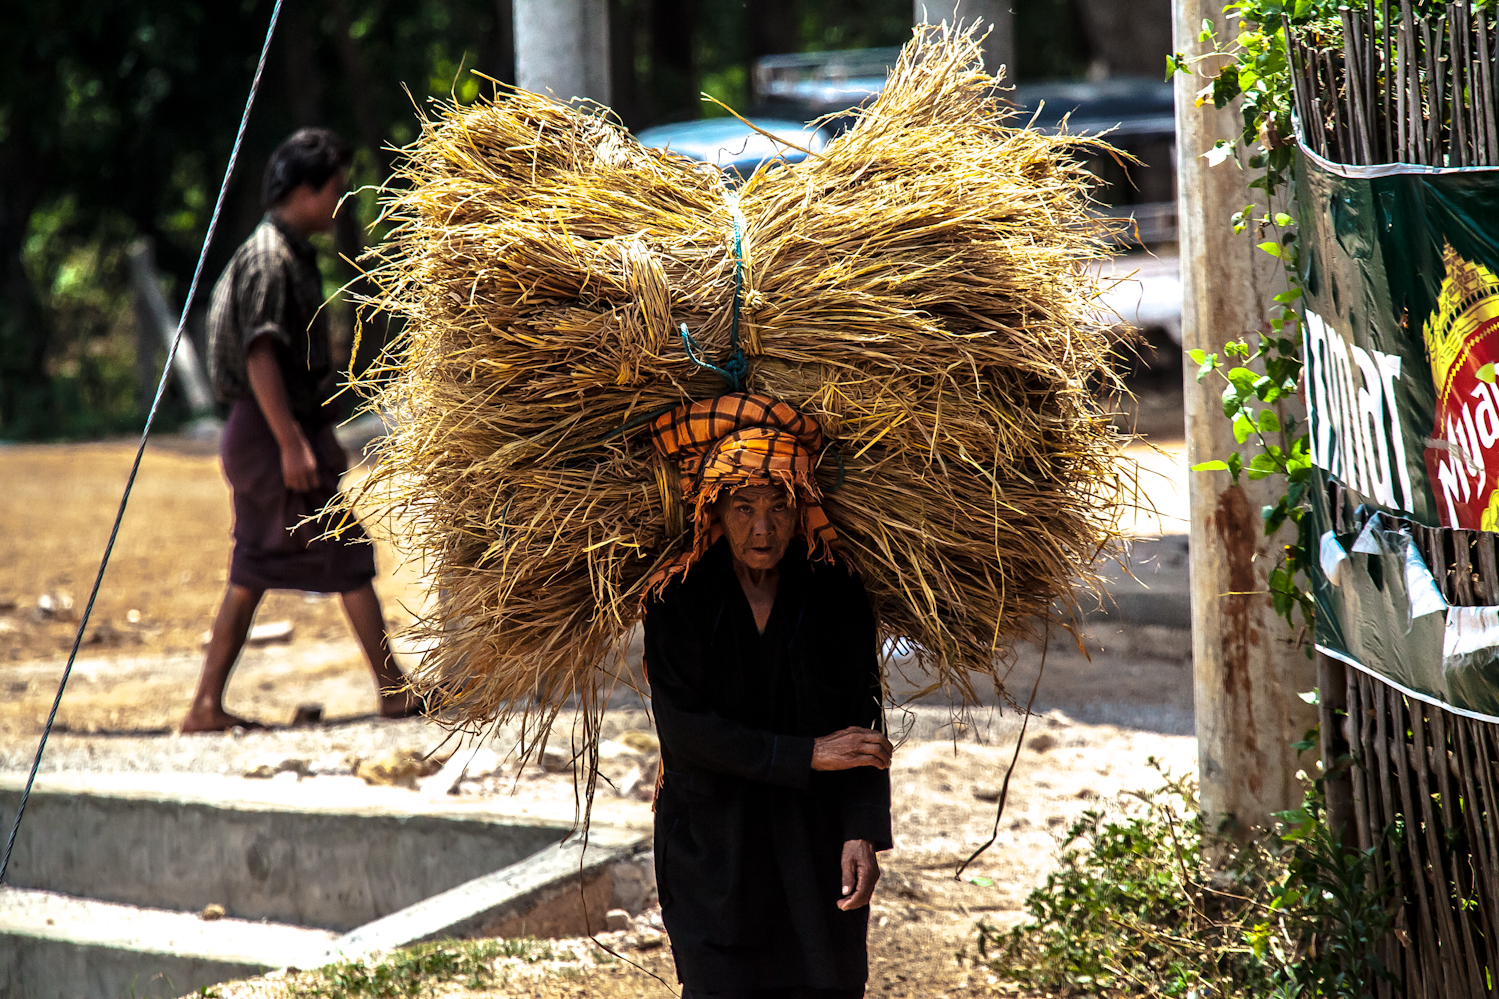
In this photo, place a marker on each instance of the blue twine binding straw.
(837, 454)
(735, 370)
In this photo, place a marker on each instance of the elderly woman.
(760, 649)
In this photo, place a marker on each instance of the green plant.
(1259, 379)
(1323, 924)
(1126, 912)
(415, 971)
(1137, 909)
(526, 949)
(1262, 374)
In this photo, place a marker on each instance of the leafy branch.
(1262, 373)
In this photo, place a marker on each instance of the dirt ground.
(922, 918)
(163, 585)
(1103, 713)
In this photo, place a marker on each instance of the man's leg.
(362, 608)
(230, 627)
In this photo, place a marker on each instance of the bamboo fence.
(1399, 83)
(1414, 83)
(1425, 796)
(1425, 792)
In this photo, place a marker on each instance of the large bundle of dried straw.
(921, 286)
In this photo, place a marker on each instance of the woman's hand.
(851, 747)
(861, 872)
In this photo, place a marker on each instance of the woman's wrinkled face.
(759, 523)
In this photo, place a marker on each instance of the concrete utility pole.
(1246, 672)
(999, 47)
(562, 48)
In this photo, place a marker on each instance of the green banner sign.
(1401, 268)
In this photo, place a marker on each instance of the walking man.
(271, 362)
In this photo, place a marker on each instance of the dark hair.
(308, 156)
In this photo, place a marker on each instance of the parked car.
(808, 85)
(735, 147)
(1137, 115)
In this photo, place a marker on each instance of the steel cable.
(140, 450)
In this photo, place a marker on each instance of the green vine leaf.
(1243, 378)
(1231, 465)
(1262, 466)
(1219, 153)
(1258, 380)
(1233, 403)
(1230, 84)
(1243, 429)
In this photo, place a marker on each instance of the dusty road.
(141, 652)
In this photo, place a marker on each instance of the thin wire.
(1004, 789)
(161, 387)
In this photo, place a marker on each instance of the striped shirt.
(272, 287)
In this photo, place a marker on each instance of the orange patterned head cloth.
(739, 440)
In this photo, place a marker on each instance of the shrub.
(1149, 902)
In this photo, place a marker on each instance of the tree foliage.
(117, 118)
(116, 121)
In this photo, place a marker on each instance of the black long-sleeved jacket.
(749, 839)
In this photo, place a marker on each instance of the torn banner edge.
(1422, 594)
(1346, 659)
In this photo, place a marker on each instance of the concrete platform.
(301, 856)
(58, 947)
(112, 871)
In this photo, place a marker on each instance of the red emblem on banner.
(1462, 342)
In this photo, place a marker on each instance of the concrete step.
(112, 871)
(1151, 587)
(558, 891)
(55, 946)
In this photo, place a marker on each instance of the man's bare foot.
(214, 720)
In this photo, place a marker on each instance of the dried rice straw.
(922, 286)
